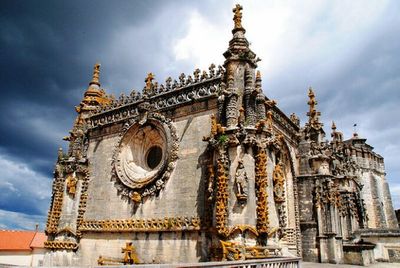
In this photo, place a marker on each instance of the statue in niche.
(324, 168)
(71, 182)
(241, 183)
(279, 181)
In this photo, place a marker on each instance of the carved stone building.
(208, 168)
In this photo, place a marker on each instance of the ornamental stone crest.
(145, 156)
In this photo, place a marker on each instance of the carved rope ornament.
(67, 245)
(145, 156)
(166, 224)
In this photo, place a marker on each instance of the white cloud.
(303, 43)
(15, 220)
(284, 33)
(19, 183)
(395, 191)
(203, 43)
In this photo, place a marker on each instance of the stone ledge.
(290, 262)
(378, 232)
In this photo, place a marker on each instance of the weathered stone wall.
(167, 247)
(375, 191)
(308, 222)
(182, 196)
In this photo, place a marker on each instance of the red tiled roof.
(38, 240)
(21, 240)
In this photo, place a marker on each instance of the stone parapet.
(263, 263)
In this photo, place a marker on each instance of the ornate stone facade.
(208, 168)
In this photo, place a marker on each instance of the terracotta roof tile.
(38, 240)
(20, 240)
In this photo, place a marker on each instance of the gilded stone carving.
(71, 182)
(55, 207)
(231, 251)
(261, 191)
(166, 224)
(279, 183)
(221, 210)
(215, 127)
(237, 18)
(234, 251)
(53, 245)
(136, 197)
(242, 228)
(148, 90)
(130, 257)
(313, 114)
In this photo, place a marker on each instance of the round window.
(154, 157)
(143, 153)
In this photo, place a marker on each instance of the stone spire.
(313, 114)
(239, 80)
(94, 96)
(239, 46)
(336, 135)
(333, 126)
(96, 75)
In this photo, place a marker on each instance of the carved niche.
(145, 156)
(241, 183)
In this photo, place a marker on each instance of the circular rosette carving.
(146, 155)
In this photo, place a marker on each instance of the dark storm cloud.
(47, 52)
(48, 48)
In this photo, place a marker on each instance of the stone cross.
(149, 79)
(237, 18)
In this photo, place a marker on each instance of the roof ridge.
(33, 238)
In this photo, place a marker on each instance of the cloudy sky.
(349, 51)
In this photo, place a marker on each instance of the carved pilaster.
(261, 191)
(232, 111)
(221, 204)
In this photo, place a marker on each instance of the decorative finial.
(60, 153)
(149, 80)
(258, 82)
(336, 135)
(237, 17)
(295, 119)
(96, 75)
(313, 115)
(258, 75)
(333, 126)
